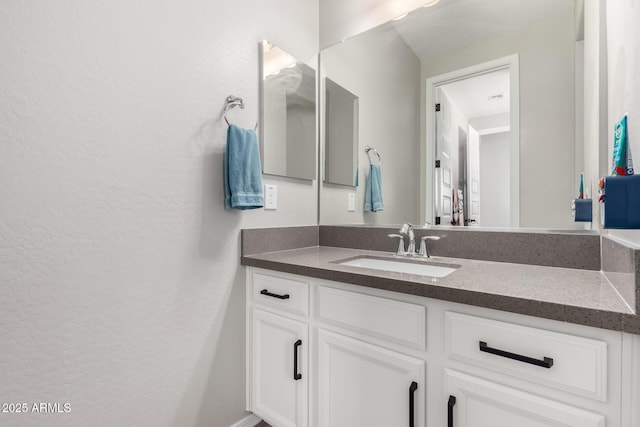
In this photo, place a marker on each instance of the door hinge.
(437, 164)
(438, 106)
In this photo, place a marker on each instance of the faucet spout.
(407, 229)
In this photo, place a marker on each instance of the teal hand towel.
(373, 190)
(242, 170)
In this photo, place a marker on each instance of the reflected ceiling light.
(498, 97)
(430, 3)
(397, 18)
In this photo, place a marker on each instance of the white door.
(474, 402)
(280, 370)
(360, 385)
(472, 216)
(444, 173)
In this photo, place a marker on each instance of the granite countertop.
(578, 296)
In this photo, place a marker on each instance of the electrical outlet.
(351, 207)
(270, 197)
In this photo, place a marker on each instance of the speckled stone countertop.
(578, 296)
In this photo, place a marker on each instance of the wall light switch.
(352, 202)
(270, 197)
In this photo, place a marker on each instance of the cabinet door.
(474, 402)
(360, 384)
(279, 369)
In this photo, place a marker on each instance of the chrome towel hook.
(368, 149)
(233, 101)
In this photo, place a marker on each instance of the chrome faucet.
(400, 250)
(407, 229)
(423, 245)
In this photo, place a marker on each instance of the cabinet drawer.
(281, 292)
(390, 320)
(566, 362)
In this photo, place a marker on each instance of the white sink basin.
(410, 267)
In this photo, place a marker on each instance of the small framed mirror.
(341, 135)
(288, 131)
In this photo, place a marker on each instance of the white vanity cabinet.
(474, 402)
(364, 376)
(360, 384)
(280, 386)
(278, 346)
(371, 357)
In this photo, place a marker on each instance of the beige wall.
(122, 292)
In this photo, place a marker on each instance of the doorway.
(473, 132)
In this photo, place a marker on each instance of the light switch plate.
(351, 207)
(270, 197)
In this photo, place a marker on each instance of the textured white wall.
(121, 290)
(623, 45)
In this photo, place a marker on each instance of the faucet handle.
(423, 238)
(400, 250)
(423, 245)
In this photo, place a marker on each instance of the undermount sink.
(419, 267)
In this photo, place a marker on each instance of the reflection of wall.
(340, 134)
(494, 180)
(122, 291)
(546, 52)
(301, 139)
(595, 92)
(288, 126)
(389, 78)
(274, 127)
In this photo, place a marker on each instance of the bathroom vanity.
(491, 344)
(499, 329)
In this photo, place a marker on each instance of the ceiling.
(472, 96)
(453, 24)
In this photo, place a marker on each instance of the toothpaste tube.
(621, 152)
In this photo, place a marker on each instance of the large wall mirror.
(475, 107)
(288, 131)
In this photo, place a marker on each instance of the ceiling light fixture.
(430, 3)
(397, 18)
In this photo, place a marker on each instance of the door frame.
(511, 63)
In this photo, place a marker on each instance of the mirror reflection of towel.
(373, 190)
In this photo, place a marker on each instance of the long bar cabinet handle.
(296, 375)
(546, 362)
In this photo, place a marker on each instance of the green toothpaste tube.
(622, 163)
